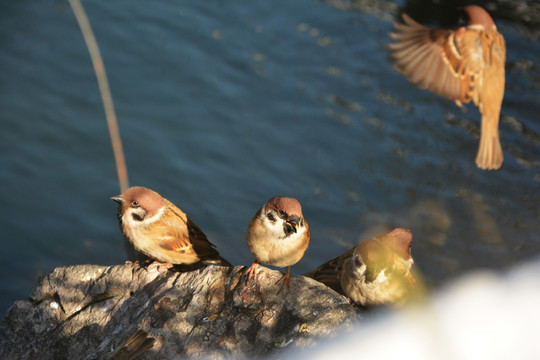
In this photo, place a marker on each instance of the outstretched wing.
(436, 59)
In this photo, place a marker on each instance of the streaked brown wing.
(191, 240)
(174, 236)
(329, 272)
(431, 59)
(206, 250)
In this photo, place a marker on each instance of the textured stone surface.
(89, 311)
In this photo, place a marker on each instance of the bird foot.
(285, 280)
(155, 266)
(251, 272)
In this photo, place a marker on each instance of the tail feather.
(218, 260)
(489, 155)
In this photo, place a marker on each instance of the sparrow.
(462, 64)
(374, 272)
(278, 235)
(155, 227)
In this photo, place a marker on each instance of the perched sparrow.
(461, 64)
(161, 231)
(374, 272)
(278, 235)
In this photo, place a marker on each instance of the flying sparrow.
(158, 229)
(374, 272)
(460, 64)
(278, 235)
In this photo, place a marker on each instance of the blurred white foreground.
(482, 315)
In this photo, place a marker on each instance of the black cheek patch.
(271, 217)
(137, 217)
(357, 261)
(288, 229)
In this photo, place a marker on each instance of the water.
(222, 105)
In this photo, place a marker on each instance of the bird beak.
(294, 221)
(117, 198)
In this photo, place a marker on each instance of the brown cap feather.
(291, 206)
(148, 199)
(399, 240)
(479, 16)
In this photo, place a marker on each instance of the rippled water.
(222, 105)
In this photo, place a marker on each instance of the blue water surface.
(222, 105)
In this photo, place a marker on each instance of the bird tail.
(489, 155)
(218, 260)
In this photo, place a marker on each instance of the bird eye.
(282, 213)
(134, 203)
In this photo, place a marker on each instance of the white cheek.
(131, 223)
(129, 220)
(274, 228)
(357, 271)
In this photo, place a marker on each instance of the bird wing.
(433, 59)
(175, 235)
(329, 272)
(185, 237)
(206, 250)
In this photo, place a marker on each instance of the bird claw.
(285, 280)
(156, 265)
(251, 272)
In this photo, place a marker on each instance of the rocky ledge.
(100, 312)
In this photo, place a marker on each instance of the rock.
(483, 314)
(90, 312)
